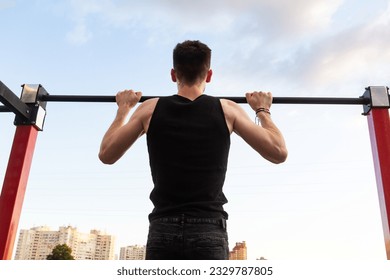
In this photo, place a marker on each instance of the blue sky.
(320, 204)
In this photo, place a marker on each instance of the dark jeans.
(181, 238)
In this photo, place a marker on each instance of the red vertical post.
(14, 187)
(379, 127)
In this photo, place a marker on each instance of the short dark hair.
(191, 61)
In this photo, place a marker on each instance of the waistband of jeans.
(191, 220)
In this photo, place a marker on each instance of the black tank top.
(188, 144)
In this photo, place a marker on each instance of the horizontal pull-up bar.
(276, 100)
(36, 94)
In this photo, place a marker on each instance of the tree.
(61, 252)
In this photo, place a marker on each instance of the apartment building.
(38, 242)
(239, 252)
(134, 252)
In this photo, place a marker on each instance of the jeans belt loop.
(224, 225)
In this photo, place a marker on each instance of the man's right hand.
(128, 98)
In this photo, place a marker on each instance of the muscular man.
(188, 139)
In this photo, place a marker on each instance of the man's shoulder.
(148, 105)
(228, 104)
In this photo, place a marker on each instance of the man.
(188, 139)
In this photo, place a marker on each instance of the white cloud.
(291, 19)
(359, 53)
(80, 12)
(79, 35)
(327, 62)
(269, 18)
(282, 42)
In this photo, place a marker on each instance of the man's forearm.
(118, 122)
(275, 134)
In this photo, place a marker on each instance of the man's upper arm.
(137, 125)
(125, 136)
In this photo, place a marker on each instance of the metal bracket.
(378, 96)
(13, 103)
(31, 96)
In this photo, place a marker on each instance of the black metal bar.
(276, 100)
(13, 103)
(322, 100)
(78, 98)
(4, 109)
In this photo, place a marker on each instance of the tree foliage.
(61, 252)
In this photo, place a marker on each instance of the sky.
(321, 204)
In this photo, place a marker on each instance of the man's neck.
(190, 92)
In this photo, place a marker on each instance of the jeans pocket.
(209, 247)
(163, 243)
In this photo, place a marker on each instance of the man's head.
(191, 63)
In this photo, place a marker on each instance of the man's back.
(188, 144)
